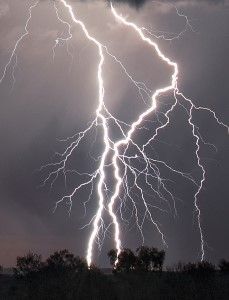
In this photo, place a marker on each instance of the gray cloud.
(139, 3)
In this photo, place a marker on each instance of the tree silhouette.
(61, 276)
(30, 263)
(112, 254)
(66, 276)
(63, 260)
(158, 258)
(150, 259)
(126, 260)
(144, 258)
(147, 259)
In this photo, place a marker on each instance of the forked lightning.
(127, 175)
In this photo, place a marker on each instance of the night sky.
(54, 99)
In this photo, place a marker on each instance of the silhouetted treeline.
(145, 259)
(138, 275)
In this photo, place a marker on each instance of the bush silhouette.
(200, 268)
(224, 266)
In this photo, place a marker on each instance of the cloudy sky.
(53, 98)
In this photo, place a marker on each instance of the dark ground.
(155, 285)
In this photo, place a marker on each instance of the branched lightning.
(20, 39)
(129, 170)
(62, 39)
(168, 36)
(174, 87)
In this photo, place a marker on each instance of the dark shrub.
(224, 266)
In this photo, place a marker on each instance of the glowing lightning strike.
(62, 39)
(126, 141)
(153, 107)
(21, 38)
(127, 176)
(119, 149)
(99, 113)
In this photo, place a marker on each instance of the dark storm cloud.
(136, 3)
(139, 3)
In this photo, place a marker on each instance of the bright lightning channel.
(99, 116)
(121, 161)
(151, 165)
(173, 86)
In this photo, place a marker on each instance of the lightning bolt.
(120, 159)
(173, 86)
(18, 42)
(62, 39)
(168, 36)
(128, 169)
(99, 117)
